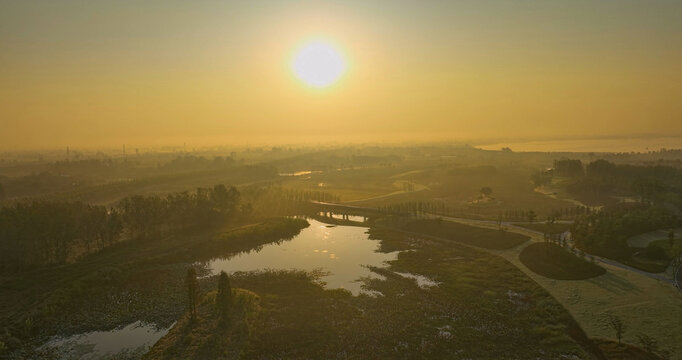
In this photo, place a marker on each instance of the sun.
(318, 64)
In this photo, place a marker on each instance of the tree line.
(56, 232)
(441, 208)
(650, 184)
(605, 232)
(275, 200)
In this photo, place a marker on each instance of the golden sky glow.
(156, 72)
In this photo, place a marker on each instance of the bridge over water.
(346, 212)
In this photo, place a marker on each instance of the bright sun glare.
(318, 64)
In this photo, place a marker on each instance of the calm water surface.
(135, 337)
(644, 144)
(343, 251)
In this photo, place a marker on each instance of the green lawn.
(555, 262)
(470, 235)
(643, 240)
(556, 228)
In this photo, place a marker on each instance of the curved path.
(535, 232)
(508, 225)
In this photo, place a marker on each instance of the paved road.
(508, 225)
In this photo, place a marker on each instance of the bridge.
(346, 212)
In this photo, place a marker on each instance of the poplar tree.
(224, 298)
(192, 291)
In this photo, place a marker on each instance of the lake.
(643, 144)
(342, 251)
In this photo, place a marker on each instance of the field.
(646, 305)
(643, 240)
(555, 262)
(556, 228)
(470, 235)
(623, 351)
(449, 177)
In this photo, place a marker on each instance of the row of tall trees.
(146, 215)
(441, 208)
(568, 168)
(556, 214)
(51, 232)
(275, 200)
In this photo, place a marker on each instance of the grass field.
(645, 305)
(470, 235)
(643, 240)
(555, 262)
(624, 351)
(556, 228)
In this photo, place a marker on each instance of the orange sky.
(102, 73)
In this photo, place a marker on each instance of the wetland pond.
(133, 340)
(341, 252)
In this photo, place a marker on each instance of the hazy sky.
(95, 72)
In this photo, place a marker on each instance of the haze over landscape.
(215, 179)
(166, 72)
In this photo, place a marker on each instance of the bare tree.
(616, 324)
